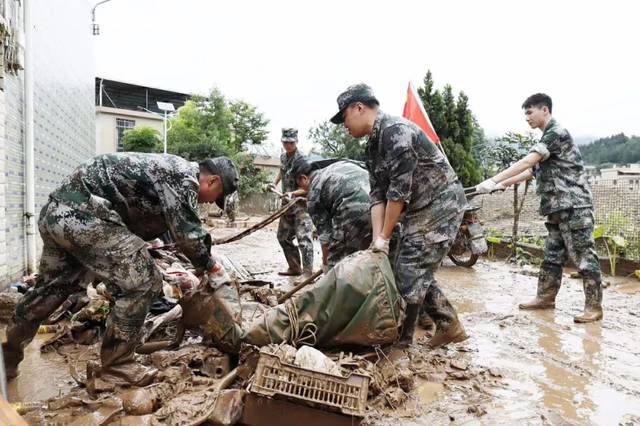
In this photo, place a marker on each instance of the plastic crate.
(347, 395)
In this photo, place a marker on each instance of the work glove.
(380, 245)
(269, 187)
(488, 186)
(218, 276)
(287, 197)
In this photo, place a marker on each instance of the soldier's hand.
(487, 187)
(218, 276)
(380, 245)
(287, 197)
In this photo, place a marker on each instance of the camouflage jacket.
(148, 193)
(338, 201)
(286, 163)
(405, 166)
(560, 178)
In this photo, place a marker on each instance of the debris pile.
(219, 351)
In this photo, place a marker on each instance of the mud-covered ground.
(516, 368)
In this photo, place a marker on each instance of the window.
(122, 124)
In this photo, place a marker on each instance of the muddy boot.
(305, 276)
(290, 273)
(425, 321)
(409, 325)
(12, 358)
(549, 281)
(30, 312)
(454, 333)
(592, 300)
(118, 362)
(538, 303)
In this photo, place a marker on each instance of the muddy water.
(554, 371)
(553, 368)
(41, 376)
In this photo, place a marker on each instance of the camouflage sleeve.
(550, 143)
(320, 216)
(376, 193)
(402, 163)
(180, 206)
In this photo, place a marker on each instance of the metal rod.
(300, 286)
(260, 225)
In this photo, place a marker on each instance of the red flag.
(414, 111)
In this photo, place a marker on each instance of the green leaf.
(618, 240)
(493, 240)
(598, 232)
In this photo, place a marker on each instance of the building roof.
(134, 97)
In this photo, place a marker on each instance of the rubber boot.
(548, 285)
(425, 321)
(538, 303)
(12, 358)
(305, 276)
(32, 310)
(592, 300)
(290, 273)
(454, 333)
(118, 361)
(409, 325)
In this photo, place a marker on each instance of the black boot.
(409, 326)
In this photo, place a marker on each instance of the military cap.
(355, 93)
(223, 167)
(289, 134)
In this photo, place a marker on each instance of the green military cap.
(355, 93)
(289, 134)
(223, 167)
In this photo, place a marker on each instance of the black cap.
(223, 167)
(300, 166)
(355, 93)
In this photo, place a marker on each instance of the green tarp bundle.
(356, 303)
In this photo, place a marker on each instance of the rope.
(297, 336)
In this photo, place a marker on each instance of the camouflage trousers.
(571, 236)
(297, 225)
(416, 258)
(79, 247)
(355, 239)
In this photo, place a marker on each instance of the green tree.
(142, 139)
(248, 126)
(336, 142)
(456, 127)
(212, 125)
(617, 149)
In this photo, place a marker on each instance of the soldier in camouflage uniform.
(565, 199)
(411, 183)
(296, 223)
(95, 226)
(231, 206)
(338, 202)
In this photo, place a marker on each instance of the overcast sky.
(292, 58)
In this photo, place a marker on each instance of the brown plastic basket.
(347, 395)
